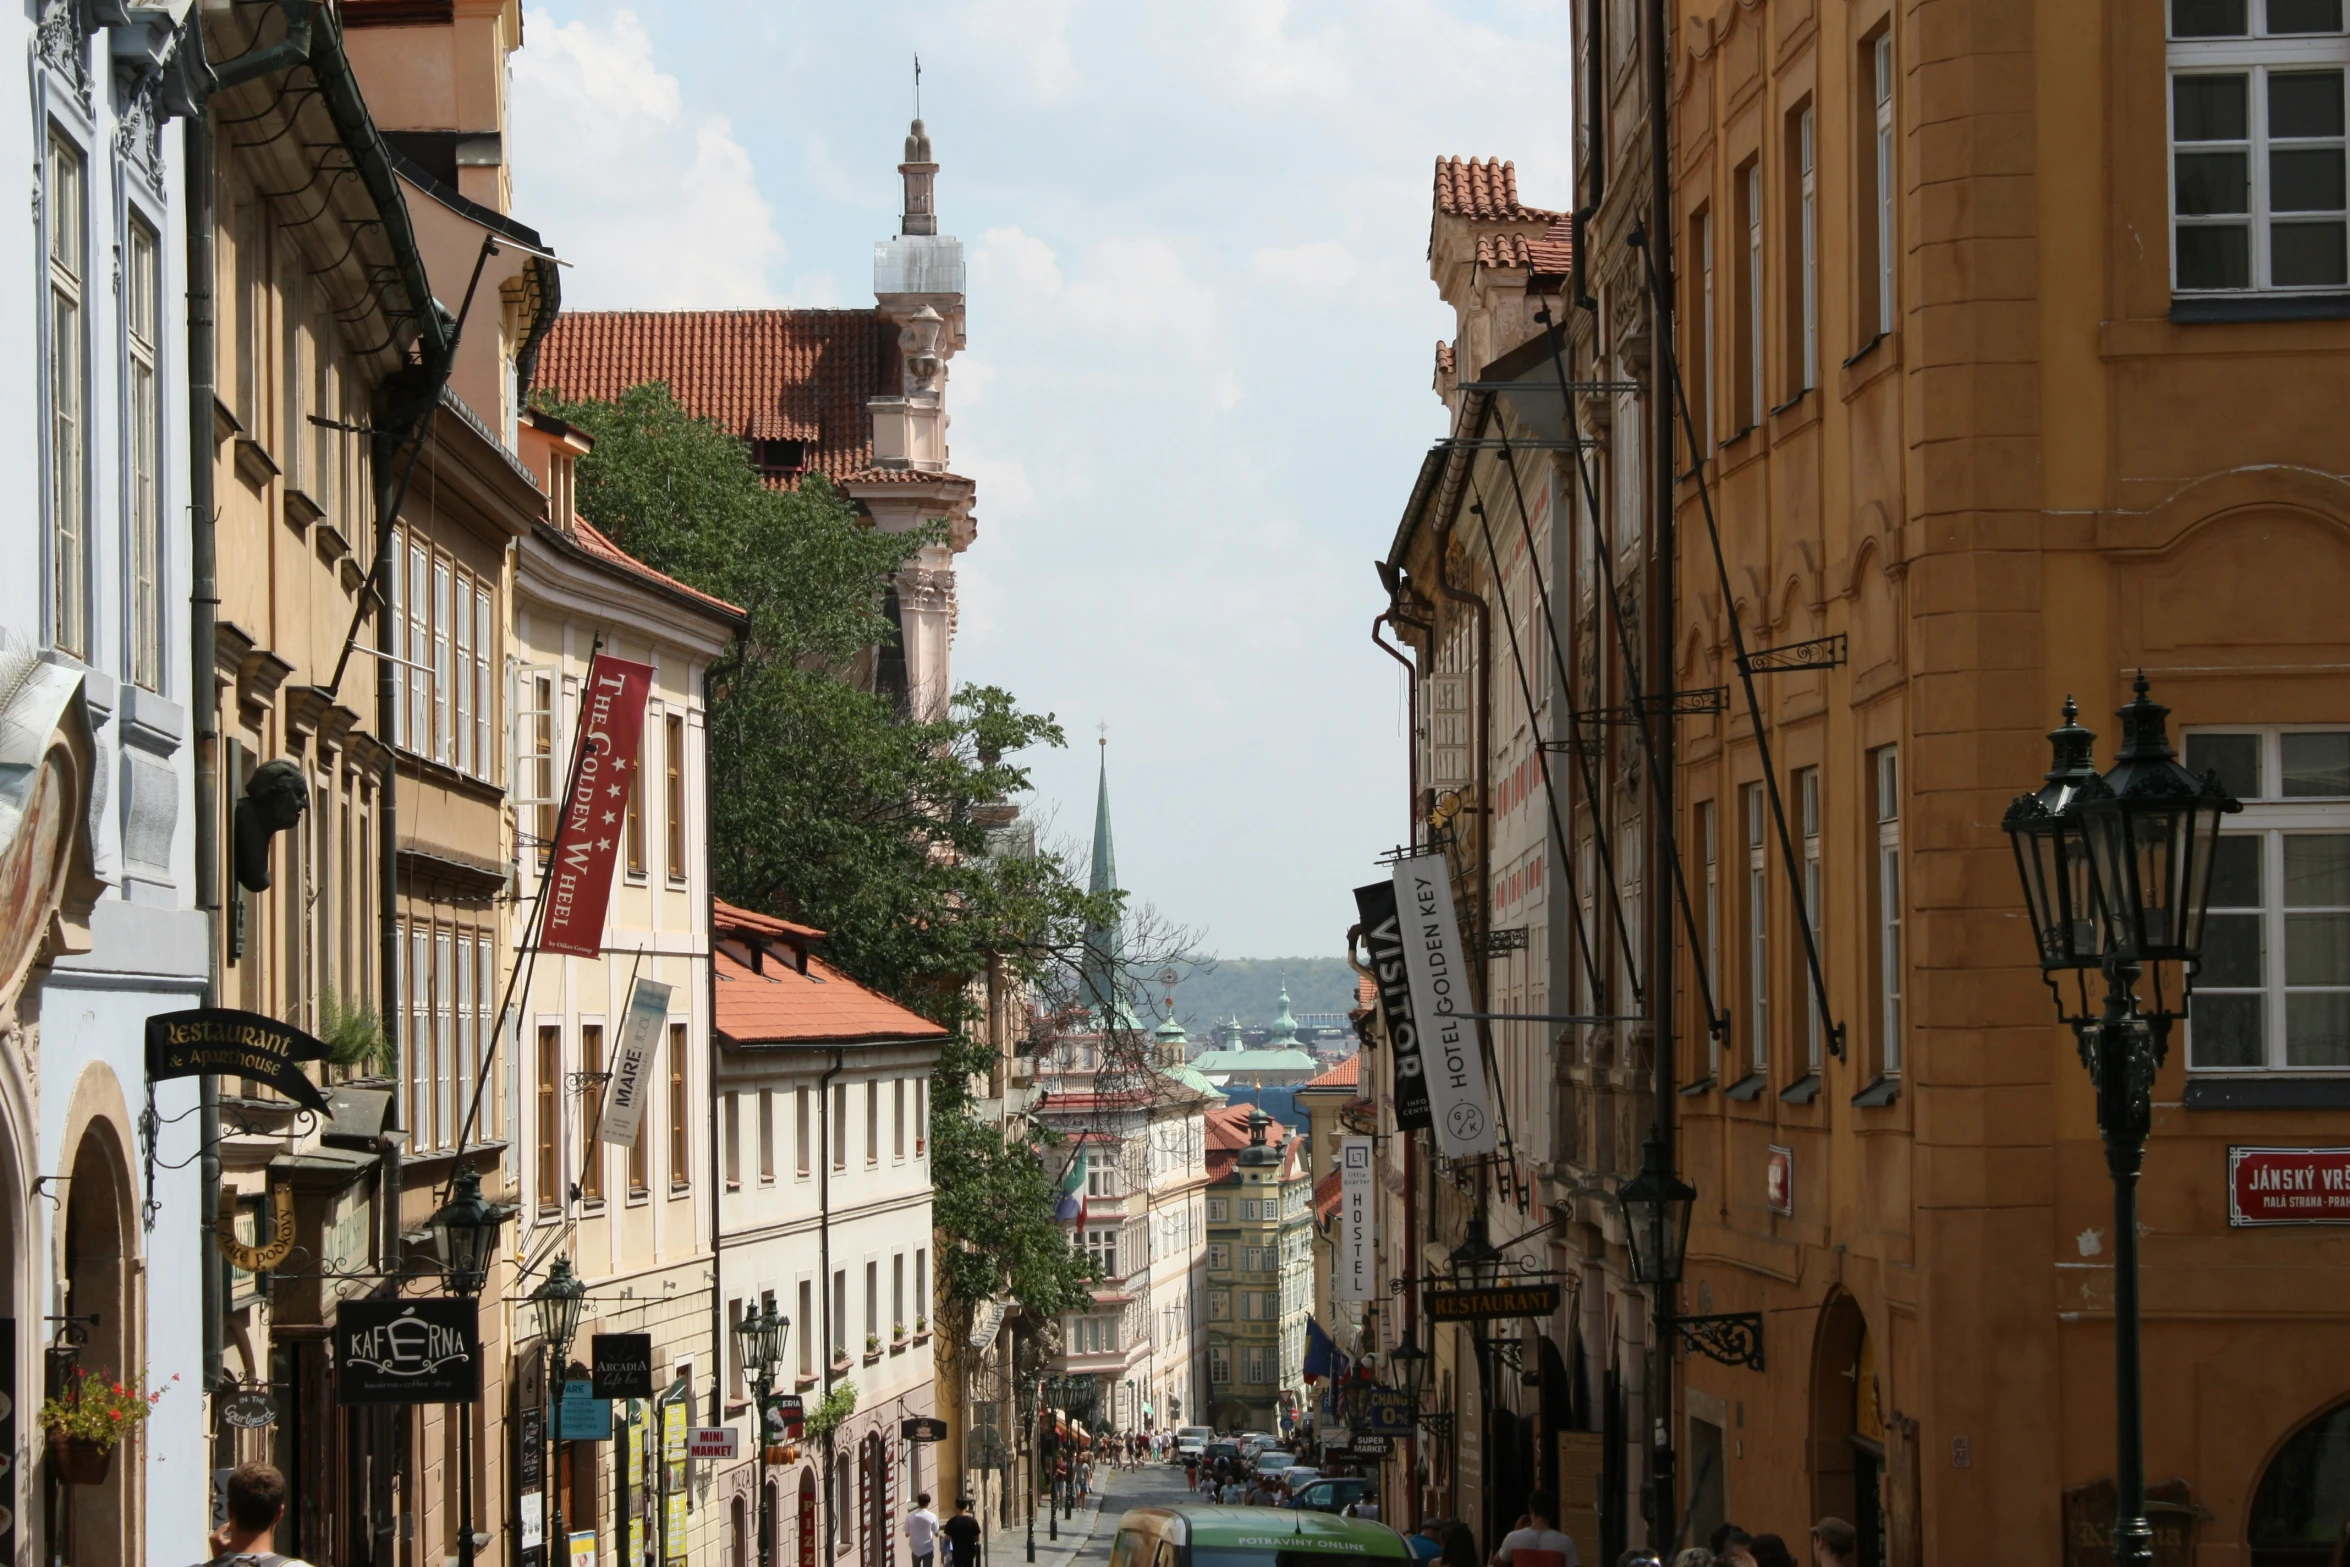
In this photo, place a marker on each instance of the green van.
(1251, 1537)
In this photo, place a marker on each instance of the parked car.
(1215, 1450)
(1237, 1537)
(1187, 1449)
(1272, 1461)
(1327, 1496)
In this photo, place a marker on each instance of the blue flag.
(1319, 1351)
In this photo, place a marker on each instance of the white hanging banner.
(1452, 1052)
(1354, 1277)
(633, 1062)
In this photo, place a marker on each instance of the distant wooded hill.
(1250, 986)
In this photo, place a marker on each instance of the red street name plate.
(587, 843)
(2288, 1186)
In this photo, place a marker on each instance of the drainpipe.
(203, 702)
(719, 1347)
(291, 50)
(824, 1283)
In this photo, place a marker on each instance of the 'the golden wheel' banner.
(587, 842)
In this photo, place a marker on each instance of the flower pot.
(78, 1461)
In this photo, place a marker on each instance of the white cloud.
(660, 207)
(1015, 268)
(1029, 39)
(1317, 265)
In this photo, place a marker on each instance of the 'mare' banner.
(587, 841)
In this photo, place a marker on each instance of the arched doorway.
(807, 1516)
(738, 1524)
(2301, 1512)
(1848, 1428)
(97, 1270)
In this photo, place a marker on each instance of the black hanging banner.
(424, 1351)
(622, 1365)
(1383, 934)
(234, 1044)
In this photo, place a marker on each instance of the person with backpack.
(256, 1499)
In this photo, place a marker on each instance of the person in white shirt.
(922, 1532)
(1540, 1545)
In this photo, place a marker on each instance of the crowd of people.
(1537, 1542)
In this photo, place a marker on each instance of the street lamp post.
(468, 1230)
(1024, 1402)
(759, 1339)
(557, 1302)
(2116, 872)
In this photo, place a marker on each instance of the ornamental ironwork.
(1734, 1338)
(1826, 652)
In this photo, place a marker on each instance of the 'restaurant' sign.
(425, 1351)
(1383, 934)
(1452, 1051)
(234, 1044)
(1475, 1305)
(587, 841)
(2288, 1186)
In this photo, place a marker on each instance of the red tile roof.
(1326, 1195)
(1444, 358)
(1551, 252)
(1228, 1128)
(595, 543)
(1346, 1074)
(1486, 190)
(780, 1005)
(727, 916)
(791, 375)
(903, 476)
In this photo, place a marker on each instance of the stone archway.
(1847, 1427)
(2301, 1512)
(99, 1256)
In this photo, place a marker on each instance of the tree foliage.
(834, 806)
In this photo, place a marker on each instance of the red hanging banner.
(587, 843)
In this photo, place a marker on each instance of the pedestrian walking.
(1537, 1542)
(962, 1534)
(922, 1531)
(1428, 1542)
(255, 1496)
(1460, 1546)
(1834, 1543)
(1769, 1550)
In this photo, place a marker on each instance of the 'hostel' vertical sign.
(1354, 1277)
(1452, 1055)
(587, 841)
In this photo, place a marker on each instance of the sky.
(1200, 344)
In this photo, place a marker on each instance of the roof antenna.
(917, 84)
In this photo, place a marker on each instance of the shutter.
(1451, 733)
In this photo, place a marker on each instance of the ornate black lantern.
(468, 1229)
(558, 1302)
(2050, 837)
(759, 1338)
(2152, 831)
(1407, 1369)
(1476, 1261)
(1656, 1205)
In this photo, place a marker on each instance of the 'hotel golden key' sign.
(257, 1259)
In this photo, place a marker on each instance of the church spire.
(1105, 944)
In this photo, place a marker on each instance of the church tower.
(1103, 974)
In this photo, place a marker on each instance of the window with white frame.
(1807, 792)
(1709, 844)
(69, 502)
(1220, 1367)
(2273, 990)
(1702, 236)
(2258, 200)
(1807, 250)
(1887, 780)
(1102, 1246)
(1881, 84)
(143, 289)
(1751, 414)
(1219, 1210)
(444, 611)
(1219, 1255)
(1758, 937)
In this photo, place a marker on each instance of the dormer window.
(778, 459)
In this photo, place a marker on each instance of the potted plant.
(897, 1331)
(872, 1343)
(921, 1324)
(88, 1419)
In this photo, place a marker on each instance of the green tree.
(834, 806)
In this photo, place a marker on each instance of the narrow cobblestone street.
(1085, 1539)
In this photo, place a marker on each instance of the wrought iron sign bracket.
(1511, 938)
(1828, 652)
(1694, 703)
(1734, 1338)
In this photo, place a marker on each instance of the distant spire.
(1105, 944)
(919, 172)
(1284, 1024)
